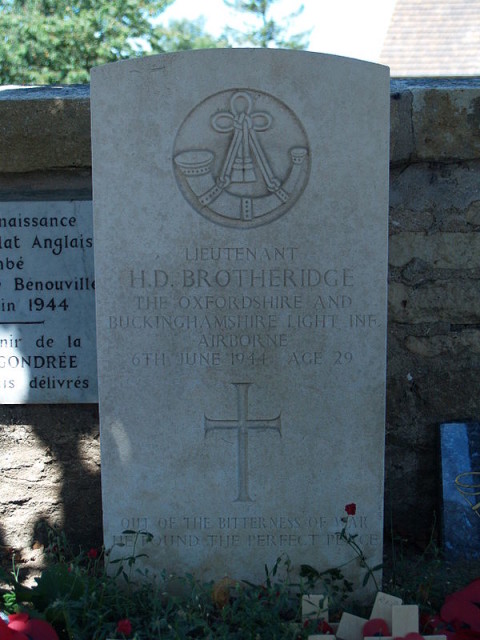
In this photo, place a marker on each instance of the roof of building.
(433, 38)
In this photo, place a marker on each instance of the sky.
(352, 28)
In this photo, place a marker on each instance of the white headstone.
(240, 202)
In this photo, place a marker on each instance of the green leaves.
(55, 41)
(185, 35)
(56, 582)
(266, 32)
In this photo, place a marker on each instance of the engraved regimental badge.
(241, 158)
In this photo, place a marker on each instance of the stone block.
(402, 144)
(453, 345)
(44, 128)
(438, 250)
(452, 301)
(446, 122)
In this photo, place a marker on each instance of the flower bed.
(76, 598)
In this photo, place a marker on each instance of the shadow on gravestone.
(460, 469)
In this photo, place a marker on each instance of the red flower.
(124, 626)
(324, 628)
(263, 592)
(413, 636)
(21, 627)
(462, 606)
(351, 509)
(376, 627)
(92, 554)
(466, 634)
(8, 634)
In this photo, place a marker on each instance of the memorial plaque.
(47, 303)
(240, 205)
(460, 456)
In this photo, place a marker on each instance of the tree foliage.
(59, 41)
(265, 32)
(184, 35)
(56, 41)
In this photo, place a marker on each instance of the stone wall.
(434, 288)
(49, 454)
(50, 465)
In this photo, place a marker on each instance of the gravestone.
(240, 206)
(47, 304)
(460, 464)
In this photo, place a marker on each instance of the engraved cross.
(243, 424)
